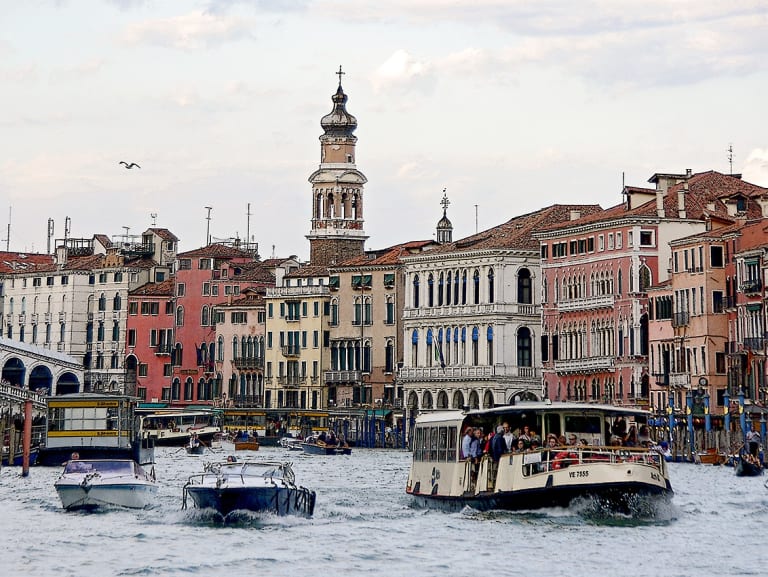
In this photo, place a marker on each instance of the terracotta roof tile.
(217, 251)
(165, 288)
(387, 256)
(24, 262)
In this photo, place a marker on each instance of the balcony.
(755, 343)
(459, 373)
(752, 286)
(680, 380)
(587, 303)
(680, 319)
(292, 319)
(248, 363)
(291, 381)
(343, 377)
(61, 347)
(163, 349)
(291, 351)
(297, 291)
(518, 309)
(585, 365)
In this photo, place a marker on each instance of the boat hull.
(316, 449)
(199, 450)
(277, 500)
(246, 445)
(746, 469)
(620, 497)
(18, 459)
(131, 495)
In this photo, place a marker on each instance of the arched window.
(23, 305)
(456, 288)
(440, 287)
(116, 302)
(464, 287)
(389, 357)
(491, 286)
(524, 288)
(102, 302)
(235, 348)
(319, 206)
(489, 336)
(179, 316)
(221, 349)
(116, 331)
(524, 356)
(415, 348)
(475, 346)
(431, 291)
(645, 278)
(100, 331)
(204, 316)
(415, 291)
(448, 288)
(476, 287)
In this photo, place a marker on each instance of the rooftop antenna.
(730, 157)
(248, 225)
(126, 236)
(273, 251)
(8, 236)
(67, 227)
(476, 229)
(50, 234)
(208, 226)
(154, 218)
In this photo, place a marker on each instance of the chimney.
(681, 199)
(61, 256)
(575, 214)
(660, 203)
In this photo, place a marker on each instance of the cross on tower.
(340, 73)
(445, 202)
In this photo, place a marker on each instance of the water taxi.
(95, 483)
(257, 486)
(531, 477)
(96, 426)
(175, 427)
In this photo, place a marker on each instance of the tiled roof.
(704, 199)
(216, 251)
(248, 297)
(387, 256)
(164, 288)
(308, 271)
(273, 262)
(103, 239)
(24, 262)
(164, 233)
(518, 231)
(253, 272)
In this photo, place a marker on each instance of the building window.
(415, 291)
(524, 356)
(716, 257)
(524, 287)
(181, 289)
(143, 369)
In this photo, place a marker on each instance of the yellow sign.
(89, 433)
(82, 404)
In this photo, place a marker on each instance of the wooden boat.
(712, 457)
(315, 446)
(249, 445)
(291, 444)
(259, 486)
(18, 457)
(442, 477)
(93, 483)
(196, 450)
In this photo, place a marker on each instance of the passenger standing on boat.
(619, 427)
(753, 442)
(476, 452)
(572, 440)
(520, 448)
(466, 443)
(509, 437)
(525, 435)
(194, 442)
(498, 445)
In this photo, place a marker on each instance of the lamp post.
(742, 415)
(726, 411)
(689, 419)
(707, 416)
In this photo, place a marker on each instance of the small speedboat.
(316, 446)
(93, 483)
(257, 486)
(290, 443)
(195, 450)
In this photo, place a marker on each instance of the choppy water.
(365, 524)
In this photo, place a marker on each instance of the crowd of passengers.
(475, 443)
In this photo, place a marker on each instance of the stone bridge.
(37, 370)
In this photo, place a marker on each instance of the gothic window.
(415, 291)
(524, 357)
(524, 287)
(645, 278)
(476, 287)
(464, 287)
(440, 286)
(221, 349)
(319, 206)
(205, 316)
(489, 336)
(415, 348)
(475, 344)
(430, 291)
(102, 302)
(456, 287)
(448, 289)
(116, 302)
(490, 286)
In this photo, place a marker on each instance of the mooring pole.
(27, 440)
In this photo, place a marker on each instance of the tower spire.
(444, 226)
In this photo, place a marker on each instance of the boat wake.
(632, 511)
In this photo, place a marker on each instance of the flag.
(439, 354)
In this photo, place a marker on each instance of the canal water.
(365, 524)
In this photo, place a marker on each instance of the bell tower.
(337, 189)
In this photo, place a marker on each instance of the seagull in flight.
(131, 165)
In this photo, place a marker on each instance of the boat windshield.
(112, 467)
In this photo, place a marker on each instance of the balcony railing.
(586, 303)
(751, 286)
(585, 365)
(680, 380)
(755, 343)
(680, 319)
(473, 310)
(343, 376)
(480, 372)
(163, 349)
(248, 363)
(291, 351)
(291, 380)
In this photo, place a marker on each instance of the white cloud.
(403, 72)
(756, 167)
(189, 32)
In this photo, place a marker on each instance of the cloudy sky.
(509, 105)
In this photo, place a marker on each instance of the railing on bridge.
(19, 395)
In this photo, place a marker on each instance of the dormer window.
(741, 204)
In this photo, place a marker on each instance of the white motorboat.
(533, 476)
(260, 486)
(93, 483)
